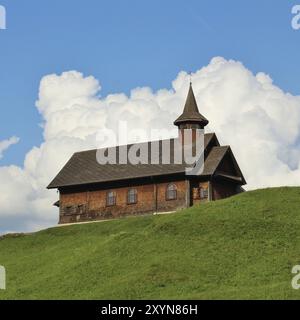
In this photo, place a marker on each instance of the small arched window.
(132, 196)
(111, 198)
(171, 192)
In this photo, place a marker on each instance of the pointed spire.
(191, 112)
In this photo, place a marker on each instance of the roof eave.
(189, 120)
(115, 180)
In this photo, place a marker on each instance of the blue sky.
(126, 44)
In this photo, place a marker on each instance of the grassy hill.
(242, 247)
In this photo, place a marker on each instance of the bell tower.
(191, 118)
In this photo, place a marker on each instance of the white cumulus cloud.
(5, 144)
(260, 121)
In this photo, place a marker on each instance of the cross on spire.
(191, 75)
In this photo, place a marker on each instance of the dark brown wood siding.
(79, 206)
(223, 189)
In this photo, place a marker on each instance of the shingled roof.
(83, 167)
(191, 112)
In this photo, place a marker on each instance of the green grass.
(239, 248)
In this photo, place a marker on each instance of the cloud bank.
(247, 111)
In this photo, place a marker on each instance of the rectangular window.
(111, 199)
(81, 209)
(171, 192)
(132, 196)
(203, 193)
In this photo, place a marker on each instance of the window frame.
(203, 193)
(134, 195)
(169, 191)
(81, 209)
(108, 197)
